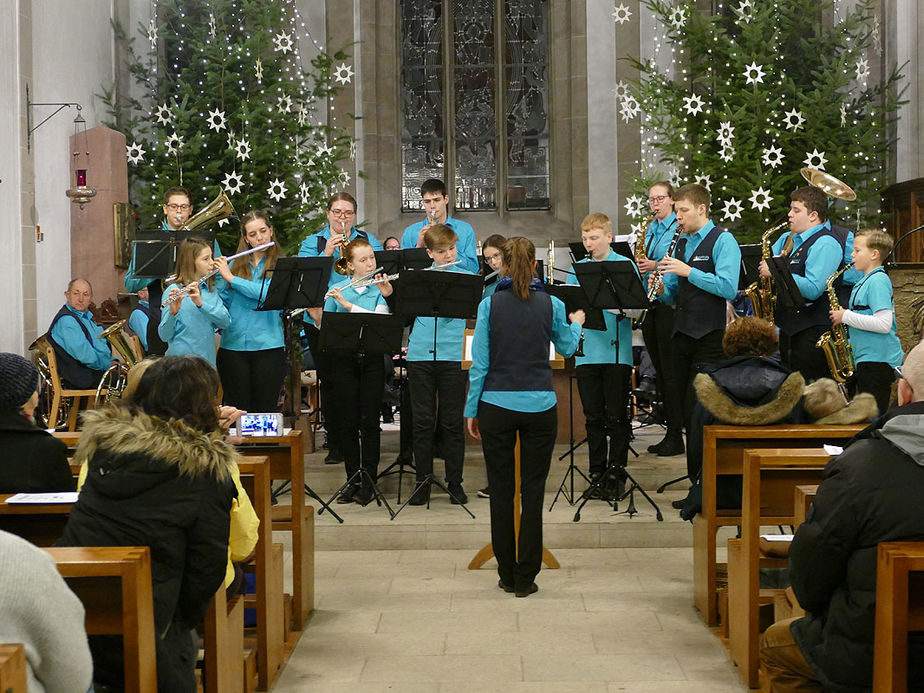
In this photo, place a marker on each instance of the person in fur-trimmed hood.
(869, 494)
(160, 475)
(750, 388)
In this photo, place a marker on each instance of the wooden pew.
(723, 453)
(899, 611)
(13, 674)
(255, 477)
(114, 585)
(804, 495)
(785, 604)
(41, 524)
(768, 495)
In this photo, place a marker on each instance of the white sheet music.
(44, 498)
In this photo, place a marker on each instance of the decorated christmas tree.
(758, 90)
(223, 100)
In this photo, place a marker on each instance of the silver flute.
(443, 266)
(369, 282)
(184, 292)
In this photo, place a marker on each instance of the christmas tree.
(224, 101)
(758, 91)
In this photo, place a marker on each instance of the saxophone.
(761, 291)
(834, 342)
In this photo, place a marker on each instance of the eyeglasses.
(178, 208)
(897, 371)
(659, 198)
(342, 212)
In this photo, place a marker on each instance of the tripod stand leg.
(377, 493)
(427, 482)
(635, 486)
(324, 505)
(672, 482)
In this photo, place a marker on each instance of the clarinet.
(658, 277)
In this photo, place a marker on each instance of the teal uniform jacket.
(134, 285)
(598, 344)
(191, 332)
(138, 323)
(71, 338)
(727, 261)
(250, 329)
(873, 293)
(466, 245)
(367, 299)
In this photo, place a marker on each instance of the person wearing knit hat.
(32, 461)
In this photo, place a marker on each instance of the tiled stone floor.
(398, 610)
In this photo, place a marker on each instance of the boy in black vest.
(814, 253)
(698, 280)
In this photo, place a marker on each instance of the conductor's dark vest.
(698, 312)
(815, 313)
(73, 373)
(520, 337)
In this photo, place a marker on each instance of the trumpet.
(340, 266)
(184, 292)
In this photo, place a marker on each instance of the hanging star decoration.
(673, 175)
(732, 210)
(343, 73)
(344, 177)
(772, 156)
(726, 133)
(284, 103)
(754, 73)
(233, 183)
(304, 193)
(216, 120)
(636, 229)
(635, 206)
(277, 190)
(212, 28)
(760, 199)
(258, 69)
(793, 120)
(164, 115)
(629, 108)
(232, 138)
(621, 90)
(325, 151)
(705, 180)
(745, 11)
(173, 143)
(152, 33)
(621, 14)
(134, 153)
(727, 153)
(862, 68)
(677, 18)
(815, 159)
(302, 114)
(693, 104)
(874, 34)
(282, 43)
(242, 149)
(843, 115)
(352, 150)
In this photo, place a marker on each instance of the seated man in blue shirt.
(699, 279)
(139, 318)
(435, 201)
(814, 253)
(81, 354)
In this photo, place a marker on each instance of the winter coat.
(167, 486)
(31, 459)
(869, 494)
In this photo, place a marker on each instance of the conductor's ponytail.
(519, 259)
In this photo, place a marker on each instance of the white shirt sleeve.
(880, 321)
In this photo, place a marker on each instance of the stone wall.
(909, 294)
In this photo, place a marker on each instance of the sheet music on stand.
(297, 283)
(574, 298)
(397, 261)
(786, 288)
(154, 252)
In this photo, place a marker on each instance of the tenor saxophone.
(761, 291)
(834, 342)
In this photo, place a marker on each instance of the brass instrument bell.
(828, 183)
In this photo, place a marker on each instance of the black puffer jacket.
(31, 459)
(166, 486)
(870, 494)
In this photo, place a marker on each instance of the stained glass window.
(486, 131)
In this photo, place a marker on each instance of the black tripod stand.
(404, 463)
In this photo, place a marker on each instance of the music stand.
(614, 285)
(786, 289)
(363, 334)
(619, 243)
(396, 261)
(297, 283)
(750, 259)
(440, 294)
(574, 298)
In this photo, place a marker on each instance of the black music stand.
(297, 283)
(614, 285)
(787, 291)
(439, 294)
(574, 298)
(578, 252)
(397, 261)
(362, 334)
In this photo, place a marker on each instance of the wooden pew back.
(899, 611)
(13, 675)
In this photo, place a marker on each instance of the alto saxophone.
(761, 291)
(834, 342)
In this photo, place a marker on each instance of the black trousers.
(518, 561)
(252, 380)
(325, 364)
(689, 354)
(657, 330)
(799, 353)
(359, 382)
(444, 381)
(876, 378)
(604, 390)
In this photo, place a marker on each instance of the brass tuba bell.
(216, 210)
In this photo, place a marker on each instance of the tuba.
(216, 210)
(834, 342)
(113, 381)
(46, 390)
(761, 292)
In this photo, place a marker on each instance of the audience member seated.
(81, 354)
(869, 494)
(824, 403)
(38, 610)
(160, 474)
(33, 461)
(750, 388)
